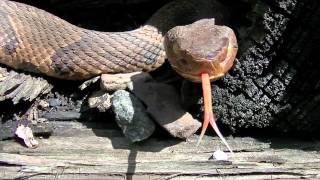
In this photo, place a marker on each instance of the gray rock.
(131, 116)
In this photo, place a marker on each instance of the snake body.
(36, 41)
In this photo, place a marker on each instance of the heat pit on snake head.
(202, 52)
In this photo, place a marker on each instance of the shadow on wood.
(76, 152)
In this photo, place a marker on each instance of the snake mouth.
(197, 77)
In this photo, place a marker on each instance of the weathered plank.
(78, 152)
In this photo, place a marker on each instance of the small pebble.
(220, 155)
(100, 100)
(43, 104)
(41, 120)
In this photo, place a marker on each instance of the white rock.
(220, 155)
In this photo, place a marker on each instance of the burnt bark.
(276, 80)
(274, 84)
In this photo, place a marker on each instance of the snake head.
(201, 47)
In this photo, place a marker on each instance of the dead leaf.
(26, 134)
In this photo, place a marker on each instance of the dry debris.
(20, 86)
(26, 134)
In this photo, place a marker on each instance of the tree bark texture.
(276, 81)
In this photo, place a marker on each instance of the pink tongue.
(208, 113)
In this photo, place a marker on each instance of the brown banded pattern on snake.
(36, 41)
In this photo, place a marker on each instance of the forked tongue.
(208, 113)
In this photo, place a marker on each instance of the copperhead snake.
(36, 41)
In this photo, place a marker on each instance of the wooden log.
(77, 151)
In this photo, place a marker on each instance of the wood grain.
(82, 151)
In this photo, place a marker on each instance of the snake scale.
(36, 41)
